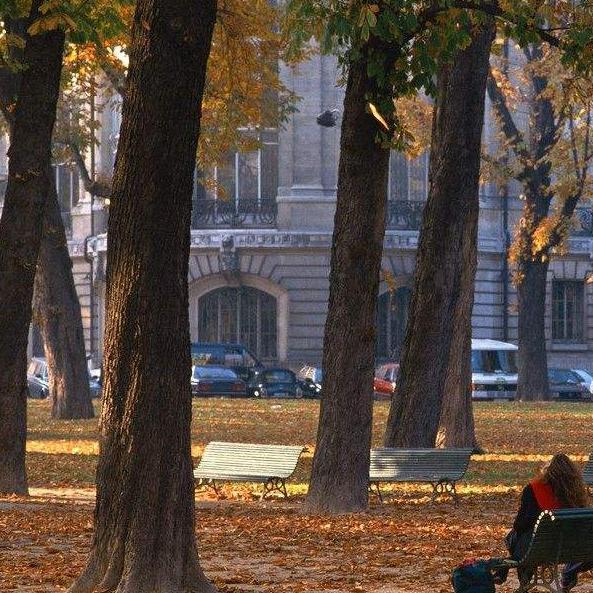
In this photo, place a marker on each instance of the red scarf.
(544, 496)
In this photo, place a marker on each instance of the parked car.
(213, 381)
(586, 379)
(494, 369)
(37, 378)
(386, 378)
(232, 356)
(311, 377)
(566, 384)
(276, 382)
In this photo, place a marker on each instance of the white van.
(494, 369)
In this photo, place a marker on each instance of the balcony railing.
(208, 213)
(404, 215)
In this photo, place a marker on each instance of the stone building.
(260, 255)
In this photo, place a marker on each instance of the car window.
(207, 354)
(494, 361)
(562, 376)
(206, 372)
(277, 376)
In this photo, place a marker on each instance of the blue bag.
(473, 577)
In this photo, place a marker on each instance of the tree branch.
(509, 128)
(95, 188)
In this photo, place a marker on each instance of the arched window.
(244, 315)
(392, 317)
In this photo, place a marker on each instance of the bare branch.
(95, 188)
(509, 128)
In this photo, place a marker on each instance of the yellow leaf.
(375, 113)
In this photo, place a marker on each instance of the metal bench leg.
(376, 490)
(546, 577)
(274, 484)
(443, 487)
(205, 484)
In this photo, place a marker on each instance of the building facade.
(260, 253)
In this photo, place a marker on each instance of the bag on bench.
(473, 576)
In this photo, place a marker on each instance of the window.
(408, 178)
(243, 315)
(392, 317)
(250, 177)
(567, 310)
(68, 189)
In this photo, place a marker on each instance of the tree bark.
(456, 425)
(144, 518)
(339, 477)
(442, 299)
(20, 236)
(57, 313)
(532, 360)
(56, 306)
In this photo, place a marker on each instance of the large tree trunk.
(339, 477)
(443, 287)
(532, 360)
(144, 518)
(57, 312)
(20, 235)
(456, 426)
(56, 306)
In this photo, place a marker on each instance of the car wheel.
(298, 393)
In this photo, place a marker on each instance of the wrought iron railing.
(208, 213)
(583, 222)
(404, 215)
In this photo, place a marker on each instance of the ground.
(407, 545)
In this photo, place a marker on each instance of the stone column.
(308, 152)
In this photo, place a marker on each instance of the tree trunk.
(339, 477)
(144, 518)
(456, 426)
(56, 305)
(20, 236)
(532, 360)
(442, 299)
(57, 312)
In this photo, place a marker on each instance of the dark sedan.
(211, 381)
(566, 384)
(276, 383)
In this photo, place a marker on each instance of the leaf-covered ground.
(406, 545)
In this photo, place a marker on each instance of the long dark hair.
(566, 481)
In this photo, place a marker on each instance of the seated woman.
(559, 486)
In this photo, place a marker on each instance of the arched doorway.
(392, 318)
(245, 315)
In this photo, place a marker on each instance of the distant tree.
(436, 349)
(144, 538)
(550, 157)
(21, 228)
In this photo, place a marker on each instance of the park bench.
(588, 474)
(441, 468)
(559, 537)
(244, 462)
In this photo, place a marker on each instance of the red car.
(385, 379)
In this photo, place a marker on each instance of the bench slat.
(246, 462)
(418, 465)
(561, 536)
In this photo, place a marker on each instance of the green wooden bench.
(588, 474)
(271, 465)
(559, 537)
(441, 468)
